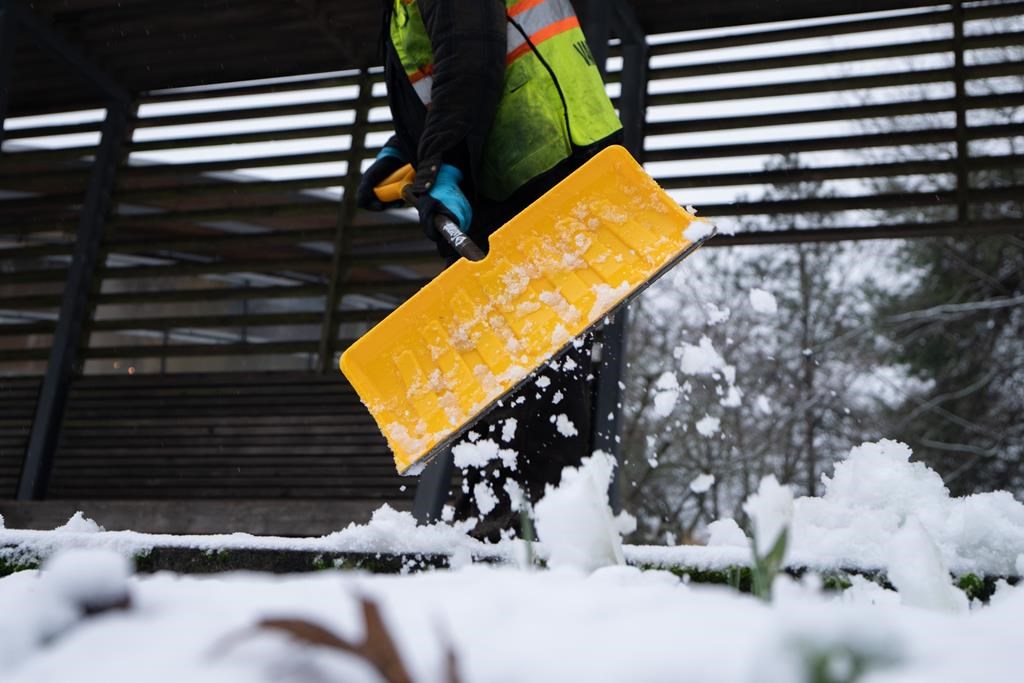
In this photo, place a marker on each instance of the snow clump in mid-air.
(701, 359)
(702, 483)
(575, 522)
(763, 301)
(564, 425)
(482, 452)
(666, 393)
(708, 426)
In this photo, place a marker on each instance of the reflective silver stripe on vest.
(534, 19)
(423, 87)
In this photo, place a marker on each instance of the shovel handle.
(397, 186)
(390, 189)
(453, 235)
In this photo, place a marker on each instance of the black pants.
(552, 412)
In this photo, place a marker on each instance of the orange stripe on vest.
(521, 7)
(549, 31)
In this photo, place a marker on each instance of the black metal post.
(7, 41)
(74, 309)
(597, 16)
(612, 358)
(432, 488)
(962, 149)
(343, 232)
(47, 39)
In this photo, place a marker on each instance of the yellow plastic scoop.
(481, 328)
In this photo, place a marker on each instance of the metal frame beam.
(611, 353)
(75, 305)
(74, 309)
(343, 232)
(8, 35)
(50, 40)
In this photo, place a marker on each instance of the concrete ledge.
(258, 517)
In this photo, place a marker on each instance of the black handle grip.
(453, 235)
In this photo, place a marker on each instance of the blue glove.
(388, 161)
(444, 197)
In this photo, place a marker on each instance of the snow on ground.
(871, 496)
(502, 624)
(588, 617)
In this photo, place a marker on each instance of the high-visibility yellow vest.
(539, 118)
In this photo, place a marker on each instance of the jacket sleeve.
(468, 42)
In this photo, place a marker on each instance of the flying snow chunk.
(666, 393)
(701, 359)
(482, 452)
(717, 315)
(515, 494)
(702, 483)
(763, 405)
(770, 511)
(508, 429)
(763, 301)
(565, 426)
(708, 426)
(485, 498)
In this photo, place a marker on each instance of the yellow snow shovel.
(479, 330)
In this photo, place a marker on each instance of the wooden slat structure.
(231, 269)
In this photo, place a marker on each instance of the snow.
(508, 429)
(716, 315)
(607, 297)
(770, 511)
(877, 488)
(698, 230)
(666, 394)
(702, 483)
(483, 451)
(564, 425)
(763, 301)
(485, 498)
(918, 573)
(79, 523)
(575, 521)
(708, 426)
(701, 359)
(726, 532)
(89, 579)
(502, 624)
(588, 616)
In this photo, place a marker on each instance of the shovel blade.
(480, 329)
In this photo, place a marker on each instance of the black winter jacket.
(468, 40)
